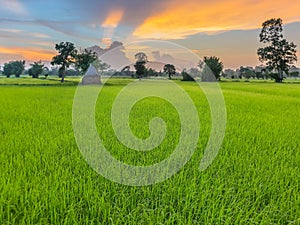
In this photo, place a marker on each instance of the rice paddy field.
(44, 178)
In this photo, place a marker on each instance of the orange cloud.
(179, 19)
(106, 41)
(113, 18)
(31, 54)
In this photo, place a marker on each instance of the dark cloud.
(114, 55)
(166, 58)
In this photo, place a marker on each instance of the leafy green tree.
(170, 70)
(18, 67)
(37, 68)
(66, 57)
(141, 60)
(214, 64)
(84, 59)
(7, 70)
(14, 67)
(140, 69)
(280, 54)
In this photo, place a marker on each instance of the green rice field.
(44, 179)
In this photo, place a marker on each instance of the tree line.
(278, 54)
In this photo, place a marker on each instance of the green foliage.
(170, 70)
(84, 59)
(67, 54)
(215, 65)
(7, 69)
(151, 73)
(36, 69)
(14, 68)
(140, 69)
(279, 54)
(247, 72)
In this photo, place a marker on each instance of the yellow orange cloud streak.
(32, 54)
(113, 18)
(109, 25)
(181, 18)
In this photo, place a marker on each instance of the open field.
(255, 178)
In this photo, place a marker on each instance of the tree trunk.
(280, 76)
(63, 72)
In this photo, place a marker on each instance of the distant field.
(45, 180)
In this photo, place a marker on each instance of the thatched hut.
(91, 76)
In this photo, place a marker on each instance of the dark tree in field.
(170, 70)
(37, 68)
(140, 69)
(280, 54)
(84, 59)
(18, 67)
(7, 70)
(215, 65)
(15, 67)
(66, 56)
(141, 60)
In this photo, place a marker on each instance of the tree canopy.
(66, 56)
(214, 64)
(84, 59)
(141, 60)
(14, 68)
(36, 69)
(170, 70)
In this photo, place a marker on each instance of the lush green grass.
(254, 180)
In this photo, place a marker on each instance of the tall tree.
(170, 70)
(66, 56)
(141, 60)
(280, 54)
(215, 65)
(84, 59)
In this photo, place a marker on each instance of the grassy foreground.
(254, 180)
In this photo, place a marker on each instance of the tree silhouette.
(280, 54)
(141, 60)
(215, 66)
(66, 56)
(170, 70)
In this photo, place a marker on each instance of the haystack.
(91, 76)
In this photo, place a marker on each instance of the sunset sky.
(228, 29)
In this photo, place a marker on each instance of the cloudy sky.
(228, 29)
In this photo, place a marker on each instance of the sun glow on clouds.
(31, 54)
(179, 19)
(109, 25)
